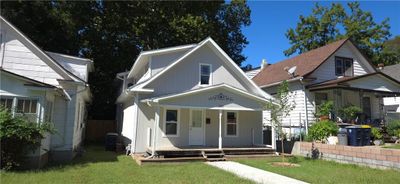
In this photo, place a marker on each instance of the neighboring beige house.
(337, 72)
(189, 96)
(45, 86)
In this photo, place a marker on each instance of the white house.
(337, 72)
(47, 87)
(189, 96)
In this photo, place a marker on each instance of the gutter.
(277, 83)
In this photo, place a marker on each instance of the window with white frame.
(231, 124)
(171, 122)
(344, 66)
(27, 108)
(6, 102)
(205, 74)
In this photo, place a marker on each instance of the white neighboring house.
(337, 72)
(47, 87)
(392, 104)
(190, 95)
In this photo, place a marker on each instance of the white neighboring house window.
(205, 74)
(232, 124)
(27, 108)
(171, 126)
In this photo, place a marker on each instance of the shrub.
(325, 108)
(393, 128)
(376, 133)
(350, 112)
(18, 136)
(322, 130)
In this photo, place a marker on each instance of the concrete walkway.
(254, 174)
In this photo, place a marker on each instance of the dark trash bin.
(111, 141)
(359, 135)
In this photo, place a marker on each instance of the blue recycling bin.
(359, 135)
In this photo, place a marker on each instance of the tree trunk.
(282, 150)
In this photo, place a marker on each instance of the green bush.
(322, 130)
(350, 112)
(376, 133)
(393, 128)
(18, 137)
(325, 108)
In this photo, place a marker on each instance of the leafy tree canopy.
(328, 24)
(113, 33)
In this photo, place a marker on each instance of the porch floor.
(203, 151)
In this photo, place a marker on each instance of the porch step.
(213, 155)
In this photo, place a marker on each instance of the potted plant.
(324, 110)
(349, 113)
(376, 133)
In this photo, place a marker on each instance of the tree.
(328, 24)
(281, 108)
(391, 51)
(113, 33)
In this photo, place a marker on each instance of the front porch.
(219, 120)
(366, 92)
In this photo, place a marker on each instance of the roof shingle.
(306, 63)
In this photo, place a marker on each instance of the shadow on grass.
(93, 153)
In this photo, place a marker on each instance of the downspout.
(305, 104)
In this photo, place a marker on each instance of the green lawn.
(397, 146)
(321, 171)
(98, 166)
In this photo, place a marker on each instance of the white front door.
(196, 128)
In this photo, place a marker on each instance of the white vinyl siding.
(184, 75)
(22, 61)
(327, 70)
(297, 115)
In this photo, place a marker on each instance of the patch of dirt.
(284, 164)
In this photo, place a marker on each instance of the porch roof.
(221, 96)
(375, 82)
(32, 83)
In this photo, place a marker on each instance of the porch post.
(273, 137)
(156, 125)
(220, 130)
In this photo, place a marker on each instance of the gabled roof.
(393, 71)
(142, 59)
(42, 54)
(208, 41)
(306, 63)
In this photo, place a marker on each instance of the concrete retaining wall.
(371, 156)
